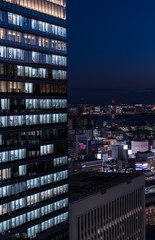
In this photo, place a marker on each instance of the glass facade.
(37, 199)
(33, 120)
(26, 120)
(18, 72)
(34, 25)
(16, 54)
(55, 8)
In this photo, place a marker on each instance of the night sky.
(111, 51)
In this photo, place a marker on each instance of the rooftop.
(88, 183)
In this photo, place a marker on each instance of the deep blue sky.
(111, 51)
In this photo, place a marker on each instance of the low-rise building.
(107, 206)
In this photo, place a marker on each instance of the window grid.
(35, 25)
(17, 54)
(33, 199)
(33, 183)
(27, 120)
(32, 215)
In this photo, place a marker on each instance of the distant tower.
(113, 115)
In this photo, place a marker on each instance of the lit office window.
(59, 45)
(32, 72)
(15, 87)
(29, 39)
(43, 42)
(11, 53)
(2, 52)
(59, 74)
(2, 33)
(46, 103)
(60, 161)
(16, 19)
(5, 174)
(5, 104)
(48, 28)
(29, 87)
(12, 155)
(22, 170)
(46, 149)
(13, 36)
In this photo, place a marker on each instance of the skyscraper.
(33, 119)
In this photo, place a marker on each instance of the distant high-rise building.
(139, 146)
(33, 120)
